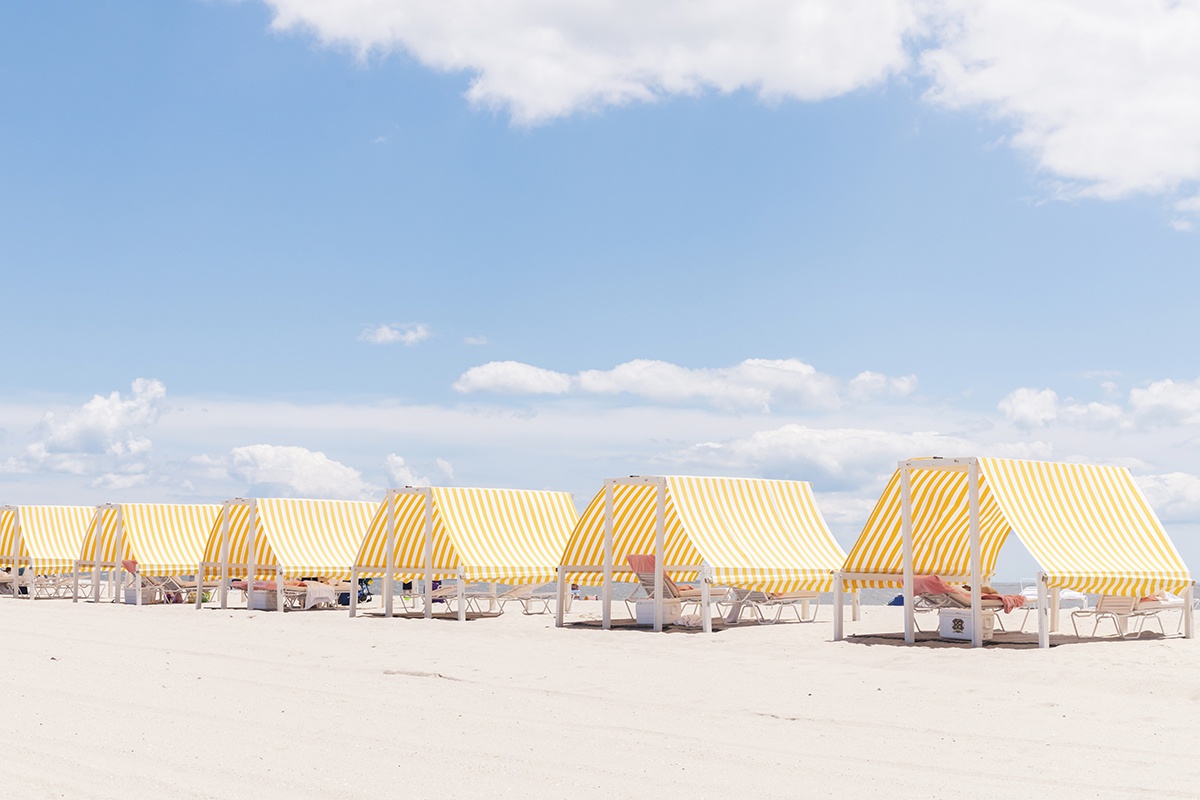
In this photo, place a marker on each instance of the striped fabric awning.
(503, 535)
(1088, 527)
(164, 539)
(756, 534)
(316, 538)
(49, 540)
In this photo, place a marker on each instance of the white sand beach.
(106, 701)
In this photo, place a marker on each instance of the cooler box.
(644, 615)
(955, 623)
(131, 595)
(263, 601)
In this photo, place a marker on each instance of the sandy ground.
(168, 702)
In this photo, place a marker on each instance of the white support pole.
(856, 605)
(389, 555)
(75, 584)
(660, 528)
(353, 592)
(1055, 608)
(251, 553)
(280, 603)
(137, 585)
(226, 513)
(560, 596)
(428, 554)
(18, 543)
(906, 537)
(96, 554)
(1189, 627)
(606, 590)
(706, 577)
(839, 590)
(1043, 611)
(974, 554)
(201, 568)
(461, 591)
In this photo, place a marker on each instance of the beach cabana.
(162, 539)
(291, 539)
(44, 542)
(509, 536)
(1088, 527)
(763, 535)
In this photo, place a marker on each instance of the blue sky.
(224, 200)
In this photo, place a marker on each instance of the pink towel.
(1011, 601)
(130, 565)
(643, 564)
(931, 584)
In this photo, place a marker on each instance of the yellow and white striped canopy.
(164, 539)
(755, 534)
(1089, 528)
(316, 538)
(503, 535)
(50, 537)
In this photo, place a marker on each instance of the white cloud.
(542, 60)
(297, 472)
(1030, 408)
(446, 468)
(407, 334)
(1168, 401)
(400, 474)
(1175, 496)
(870, 385)
(512, 377)
(756, 383)
(1104, 95)
(105, 424)
(842, 456)
(475, 341)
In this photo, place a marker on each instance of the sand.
(107, 701)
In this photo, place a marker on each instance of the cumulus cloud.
(1105, 96)
(756, 383)
(542, 60)
(1034, 408)
(407, 334)
(296, 472)
(512, 377)
(475, 341)
(1175, 496)
(400, 474)
(843, 457)
(107, 432)
(1168, 402)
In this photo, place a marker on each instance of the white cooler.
(644, 615)
(955, 623)
(131, 596)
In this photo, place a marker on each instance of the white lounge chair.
(1122, 611)
(759, 601)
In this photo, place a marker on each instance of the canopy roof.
(316, 538)
(1089, 528)
(756, 534)
(164, 539)
(503, 535)
(45, 539)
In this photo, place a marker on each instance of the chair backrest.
(643, 565)
(1116, 604)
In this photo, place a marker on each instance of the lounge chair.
(932, 594)
(780, 601)
(1123, 611)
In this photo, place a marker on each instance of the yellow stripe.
(755, 534)
(1089, 528)
(303, 537)
(164, 539)
(502, 535)
(49, 537)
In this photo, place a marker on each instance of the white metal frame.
(251, 563)
(660, 568)
(1048, 598)
(426, 569)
